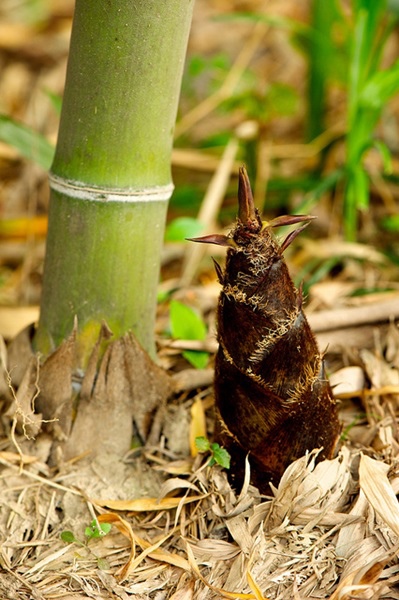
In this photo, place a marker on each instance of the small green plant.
(94, 530)
(219, 455)
(97, 530)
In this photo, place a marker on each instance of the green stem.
(110, 179)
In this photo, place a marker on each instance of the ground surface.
(178, 529)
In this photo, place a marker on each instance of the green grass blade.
(380, 88)
(325, 62)
(28, 142)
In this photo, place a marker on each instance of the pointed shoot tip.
(290, 220)
(215, 238)
(246, 207)
(292, 236)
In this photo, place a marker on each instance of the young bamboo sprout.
(273, 401)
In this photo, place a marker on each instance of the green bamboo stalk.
(111, 178)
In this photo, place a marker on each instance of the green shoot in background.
(94, 530)
(344, 49)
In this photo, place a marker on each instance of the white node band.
(77, 189)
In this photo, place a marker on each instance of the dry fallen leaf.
(375, 484)
(151, 550)
(223, 593)
(197, 424)
(147, 504)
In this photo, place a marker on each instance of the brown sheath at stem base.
(273, 400)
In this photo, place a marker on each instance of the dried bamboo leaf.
(247, 480)
(254, 587)
(147, 504)
(326, 485)
(223, 593)
(185, 593)
(238, 528)
(378, 370)
(169, 558)
(48, 560)
(125, 528)
(175, 483)
(314, 516)
(210, 549)
(347, 380)
(13, 457)
(176, 467)
(153, 552)
(362, 580)
(375, 484)
(197, 424)
(288, 488)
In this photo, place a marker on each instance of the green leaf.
(186, 199)
(357, 65)
(89, 532)
(105, 528)
(28, 142)
(327, 57)
(361, 188)
(220, 455)
(185, 323)
(390, 223)
(380, 88)
(56, 100)
(350, 214)
(385, 154)
(68, 537)
(393, 6)
(319, 270)
(196, 65)
(202, 444)
(196, 358)
(283, 99)
(321, 187)
(181, 228)
(94, 532)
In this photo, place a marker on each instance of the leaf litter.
(179, 530)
